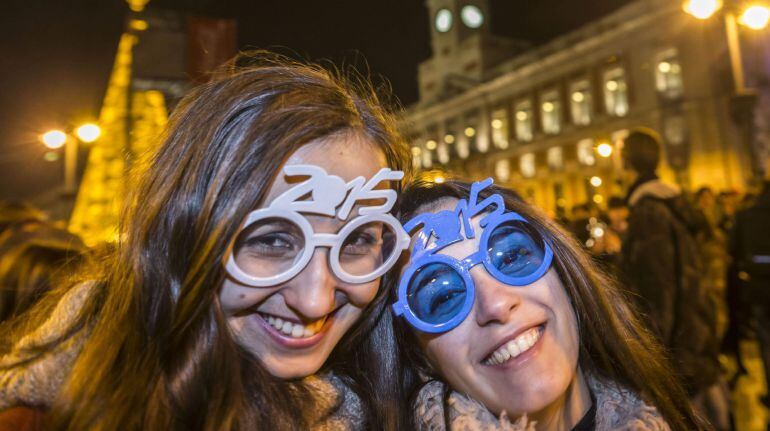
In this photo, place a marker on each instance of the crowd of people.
(281, 267)
(693, 263)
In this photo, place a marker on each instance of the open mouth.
(516, 347)
(294, 329)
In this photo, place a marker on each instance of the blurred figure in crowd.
(705, 200)
(727, 205)
(749, 247)
(617, 215)
(31, 260)
(663, 267)
(17, 215)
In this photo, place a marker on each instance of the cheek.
(234, 297)
(444, 352)
(362, 295)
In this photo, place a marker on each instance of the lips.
(294, 329)
(516, 346)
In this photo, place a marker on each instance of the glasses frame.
(463, 267)
(313, 240)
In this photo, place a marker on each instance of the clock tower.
(463, 48)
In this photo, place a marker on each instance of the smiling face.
(293, 327)
(517, 350)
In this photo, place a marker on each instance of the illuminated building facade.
(547, 120)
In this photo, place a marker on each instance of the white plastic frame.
(330, 196)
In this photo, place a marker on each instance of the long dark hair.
(159, 353)
(614, 346)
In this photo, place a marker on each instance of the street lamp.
(756, 16)
(55, 139)
(88, 132)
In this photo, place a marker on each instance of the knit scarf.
(616, 409)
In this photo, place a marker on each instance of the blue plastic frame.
(435, 223)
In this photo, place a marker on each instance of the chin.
(289, 369)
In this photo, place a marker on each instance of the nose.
(312, 292)
(495, 300)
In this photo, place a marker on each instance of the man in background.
(663, 267)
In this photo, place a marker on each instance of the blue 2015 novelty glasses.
(436, 291)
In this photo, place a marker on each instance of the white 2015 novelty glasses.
(275, 243)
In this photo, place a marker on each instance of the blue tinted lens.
(515, 249)
(436, 293)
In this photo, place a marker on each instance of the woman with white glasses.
(245, 286)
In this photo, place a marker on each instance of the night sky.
(56, 55)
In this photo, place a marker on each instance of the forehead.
(460, 249)
(346, 155)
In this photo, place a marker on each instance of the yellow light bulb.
(54, 139)
(416, 151)
(604, 149)
(596, 181)
(438, 179)
(470, 132)
(431, 144)
(497, 123)
(756, 17)
(88, 132)
(702, 9)
(449, 139)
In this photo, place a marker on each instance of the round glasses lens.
(436, 293)
(268, 247)
(515, 249)
(367, 248)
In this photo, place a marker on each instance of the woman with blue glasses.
(503, 322)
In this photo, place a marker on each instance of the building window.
(427, 158)
(581, 103)
(442, 153)
(668, 74)
(616, 92)
(524, 121)
(503, 170)
(527, 165)
(417, 156)
(585, 152)
(550, 111)
(555, 159)
(675, 129)
(500, 128)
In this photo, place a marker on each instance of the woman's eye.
(360, 243)
(276, 244)
(444, 298)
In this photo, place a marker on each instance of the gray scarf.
(616, 409)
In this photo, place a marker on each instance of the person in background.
(749, 246)
(33, 259)
(663, 266)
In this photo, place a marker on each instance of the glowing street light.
(596, 181)
(604, 149)
(54, 139)
(755, 17)
(702, 9)
(88, 132)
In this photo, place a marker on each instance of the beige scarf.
(616, 409)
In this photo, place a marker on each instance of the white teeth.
(293, 330)
(515, 347)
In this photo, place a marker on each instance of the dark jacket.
(663, 268)
(750, 248)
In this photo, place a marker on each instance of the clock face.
(472, 16)
(443, 20)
